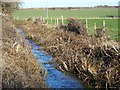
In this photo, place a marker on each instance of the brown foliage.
(20, 68)
(93, 59)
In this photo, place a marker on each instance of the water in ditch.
(54, 77)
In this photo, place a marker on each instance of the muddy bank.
(95, 60)
(20, 68)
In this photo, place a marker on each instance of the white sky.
(66, 3)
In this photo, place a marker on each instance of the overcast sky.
(66, 3)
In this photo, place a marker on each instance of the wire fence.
(91, 23)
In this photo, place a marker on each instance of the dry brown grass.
(93, 59)
(20, 69)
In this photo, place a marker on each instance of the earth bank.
(20, 68)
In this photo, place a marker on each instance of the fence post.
(87, 25)
(34, 19)
(62, 20)
(43, 19)
(57, 21)
(104, 25)
(95, 27)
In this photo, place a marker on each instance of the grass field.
(85, 13)
(111, 24)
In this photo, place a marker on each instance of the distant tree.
(106, 6)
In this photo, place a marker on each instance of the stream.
(54, 78)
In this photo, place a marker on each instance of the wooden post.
(43, 19)
(57, 21)
(95, 28)
(33, 18)
(62, 20)
(104, 25)
(87, 25)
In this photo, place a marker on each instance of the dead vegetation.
(95, 60)
(20, 68)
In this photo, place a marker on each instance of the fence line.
(57, 21)
(62, 19)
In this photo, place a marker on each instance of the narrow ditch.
(54, 77)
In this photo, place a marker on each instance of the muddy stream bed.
(54, 77)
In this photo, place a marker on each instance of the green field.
(111, 24)
(85, 13)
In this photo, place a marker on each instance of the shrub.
(76, 26)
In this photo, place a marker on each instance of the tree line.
(70, 8)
